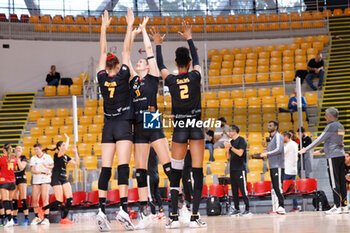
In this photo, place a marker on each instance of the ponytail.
(58, 145)
(9, 151)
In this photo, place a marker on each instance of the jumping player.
(7, 181)
(186, 107)
(40, 167)
(59, 181)
(117, 137)
(21, 186)
(144, 93)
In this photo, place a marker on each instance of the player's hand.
(106, 20)
(227, 145)
(187, 34)
(136, 31)
(317, 152)
(74, 149)
(144, 23)
(263, 155)
(156, 37)
(130, 17)
(302, 151)
(66, 135)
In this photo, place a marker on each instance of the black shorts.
(115, 130)
(182, 135)
(8, 186)
(142, 135)
(21, 181)
(58, 180)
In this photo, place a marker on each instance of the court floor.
(262, 223)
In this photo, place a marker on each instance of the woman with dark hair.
(21, 186)
(59, 181)
(144, 95)
(294, 136)
(7, 181)
(186, 109)
(40, 167)
(117, 136)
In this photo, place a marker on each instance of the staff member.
(275, 156)
(333, 138)
(306, 141)
(236, 154)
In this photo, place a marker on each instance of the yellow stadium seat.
(220, 154)
(254, 119)
(240, 102)
(198, 20)
(288, 53)
(212, 52)
(255, 149)
(284, 117)
(95, 129)
(89, 111)
(253, 177)
(45, 19)
(263, 62)
(90, 138)
(317, 45)
(300, 66)
(224, 51)
(265, 55)
(251, 93)
(300, 52)
(288, 67)
(226, 103)
(263, 68)
(318, 24)
(254, 102)
(256, 165)
(275, 61)
(36, 131)
(337, 12)
(317, 15)
(285, 126)
(250, 76)
(63, 28)
(34, 19)
(288, 75)
(227, 65)
(305, 45)
(268, 100)
(91, 103)
(29, 141)
(273, 17)
(216, 58)
(50, 90)
(267, 176)
(210, 95)
(262, 77)
(347, 11)
(57, 121)
(62, 112)
(98, 120)
(252, 56)
(247, 50)
(298, 25)
(62, 90)
(44, 140)
(273, 26)
(251, 62)
(282, 47)
(240, 56)
(48, 113)
(34, 114)
(85, 120)
(282, 101)
(229, 57)
(254, 138)
(75, 89)
(323, 38)
(263, 18)
(263, 27)
(235, 51)
(90, 162)
(224, 95)
(51, 131)
(236, 94)
(276, 91)
(295, 16)
(285, 26)
(84, 149)
(215, 66)
(68, 20)
(239, 64)
(218, 168)
(43, 122)
(66, 130)
(267, 117)
(240, 119)
(300, 59)
(311, 98)
(284, 17)
(230, 28)
(252, 27)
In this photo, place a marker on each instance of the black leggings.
(239, 181)
(277, 175)
(336, 172)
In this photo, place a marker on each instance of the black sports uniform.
(186, 105)
(238, 172)
(59, 173)
(21, 175)
(117, 105)
(144, 96)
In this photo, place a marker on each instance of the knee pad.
(141, 178)
(175, 178)
(69, 202)
(8, 205)
(24, 204)
(177, 164)
(15, 204)
(123, 174)
(105, 175)
(167, 169)
(198, 178)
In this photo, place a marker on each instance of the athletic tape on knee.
(24, 204)
(15, 204)
(167, 169)
(8, 205)
(105, 175)
(141, 178)
(177, 164)
(123, 174)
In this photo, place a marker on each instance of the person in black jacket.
(53, 78)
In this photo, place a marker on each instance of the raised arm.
(158, 40)
(149, 51)
(127, 40)
(133, 35)
(187, 34)
(106, 20)
(67, 140)
(76, 160)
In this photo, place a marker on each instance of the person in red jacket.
(8, 163)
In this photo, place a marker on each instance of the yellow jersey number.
(184, 91)
(111, 88)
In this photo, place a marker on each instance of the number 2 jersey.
(185, 91)
(116, 93)
(7, 170)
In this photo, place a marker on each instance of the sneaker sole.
(125, 223)
(101, 223)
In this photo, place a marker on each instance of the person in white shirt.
(221, 134)
(290, 162)
(40, 167)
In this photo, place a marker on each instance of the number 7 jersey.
(185, 91)
(116, 93)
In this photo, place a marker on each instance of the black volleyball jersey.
(116, 93)
(60, 164)
(144, 95)
(185, 91)
(18, 173)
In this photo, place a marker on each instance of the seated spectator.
(347, 167)
(315, 67)
(209, 142)
(53, 78)
(293, 106)
(220, 134)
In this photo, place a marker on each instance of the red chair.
(3, 17)
(78, 197)
(113, 197)
(306, 186)
(205, 191)
(249, 189)
(24, 18)
(92, 198)
(133, 195)
(217, 190)
(13, 18)
(262, 188)
(286, 184)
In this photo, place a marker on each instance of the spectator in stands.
(275, 156)
(306, 141)
(209, 139)
(315, 67)
(290, 162)
(221, 135)
(53, 78)
(347, 167)
(293, 106)
(333, 138)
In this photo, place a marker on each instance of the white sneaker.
(344, 210)
(185, 214)
(161, 216)
(280, 210)
(172, 223)
(45, 221)
(35, 221)
(196, 222)
(125, 220)
(334, 210)
(102, 222)
(9, 223)
(144, 222)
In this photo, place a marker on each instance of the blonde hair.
(9, 151)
